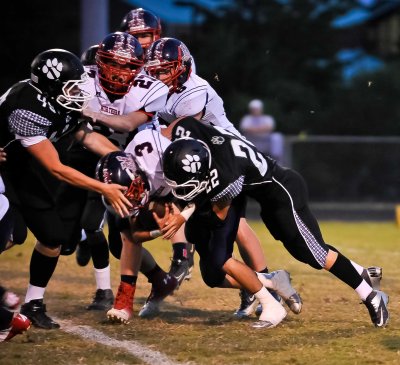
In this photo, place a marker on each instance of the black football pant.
(286, 214)
(214, 242)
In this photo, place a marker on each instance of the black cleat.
(35, 310)
(103, 300)
(179, 269)
(83, 253)
(248, 305)
(376, 304)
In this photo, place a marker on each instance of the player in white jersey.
(169, 60)
(130, 102)
(147, 148)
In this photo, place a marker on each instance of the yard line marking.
(135, 348)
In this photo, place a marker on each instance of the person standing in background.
(259, 128)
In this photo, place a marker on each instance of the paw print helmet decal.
(186, 165)
(60, 76)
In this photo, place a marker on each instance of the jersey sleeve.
(191, 102)
(28, 124)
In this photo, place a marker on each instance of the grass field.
(196, 325)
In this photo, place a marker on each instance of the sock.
(265, 271)
(363, 290)
(102, 277)
(129, 279)
(34, 292)
(98, 249)
(272, 310)
(344, 270)
(363, 272)
(154, 274)
(180, 251)
(41, 269)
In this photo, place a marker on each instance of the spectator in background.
(259, 129)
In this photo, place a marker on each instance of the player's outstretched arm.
(47, 155)
(120, 123)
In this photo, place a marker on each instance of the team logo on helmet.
(127, 162)
(191, 163)
(52, 69)
(217, 140)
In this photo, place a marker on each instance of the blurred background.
(326, 71)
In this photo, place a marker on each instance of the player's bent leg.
(273, 312)
(43, 263)
(131, 256)
(162, 285)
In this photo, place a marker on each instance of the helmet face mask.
(186, 164)
(120, 168)
(119, 59)
(169, 55)
(59, 74)
(73, 97)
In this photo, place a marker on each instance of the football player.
(169, 60)
(119, 108)
(33, 114)
(212, 167)
(142, 185)
(122, 98)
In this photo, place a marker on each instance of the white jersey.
(197, 96)
(147, 94)
(147, 147)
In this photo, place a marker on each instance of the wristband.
(188, 211)
(155, 233)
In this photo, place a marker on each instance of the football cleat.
(179, 269)
(103, 300)
(376, 304)
(373, 276)
(122, 310)
(159, 291)
(35, 310)
(281, 282)
(19, 324)
(248, 305)
(10, 301)
(83, 253)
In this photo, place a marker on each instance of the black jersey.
(26, 112)
(236, 164)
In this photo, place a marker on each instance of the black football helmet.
(169, 56)
(88, 58)
(186, 165)
(140, 21)
(120, 168)
(59, 74)
(119, 59)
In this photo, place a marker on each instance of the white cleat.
(119, 315)
(282, 285)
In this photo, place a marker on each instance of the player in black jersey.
(212, 167)
(33, 114)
